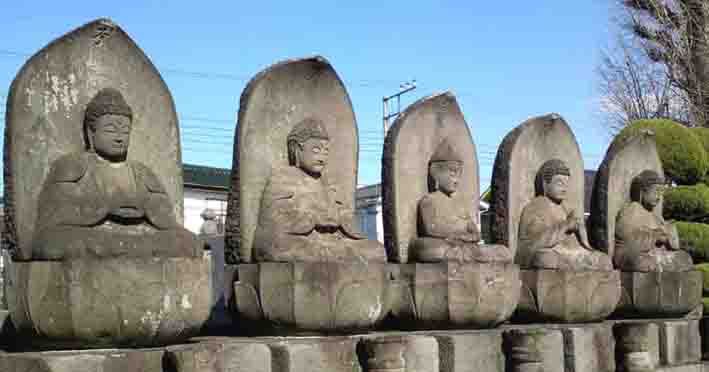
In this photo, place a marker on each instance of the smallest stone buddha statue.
(446, 232)
(644, 242)
(552, 235)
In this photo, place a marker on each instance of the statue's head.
(553, 180)
(646, 189)
(107, 125)
(445, 169)
(309, 146)
(208, 214)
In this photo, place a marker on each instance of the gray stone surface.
(519, 158)
(145, 360)
(638, 345)
(567, 296)
(46, 110)
(322, 354)
(626, 213)
(680, 342)
(589, 348)
(422, 354)
(273, 102)
(534, 350)
(453, 295)
(118, 302)
(660, 294)
(314, 297)
(471, 351)
(413, 139)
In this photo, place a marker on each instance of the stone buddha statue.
(644, 242)
(303, 217)
(446, 232)
(96, 203)
(552, 234)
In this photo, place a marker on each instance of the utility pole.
(389, 114)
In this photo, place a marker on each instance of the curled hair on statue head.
(107, 101)
(642, 183)
(306, 129)
(548, 170)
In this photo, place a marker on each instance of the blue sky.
(506, 61)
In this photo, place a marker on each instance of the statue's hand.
(572, 222)
(128, 212)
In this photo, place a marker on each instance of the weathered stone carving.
(210, 226)
(291, 209)
(538, 190)
(90, 211)
(431, 194)
(295, 169)
(553, 235)
(302, 216)
(386, 354)
(446, 231)
(99, 204)
(644, 241)
(626, 222)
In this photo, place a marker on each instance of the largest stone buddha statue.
(302, 216)
(554, 233)
(97, 203)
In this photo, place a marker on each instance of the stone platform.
(668, 345)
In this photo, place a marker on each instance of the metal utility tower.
(387, 113)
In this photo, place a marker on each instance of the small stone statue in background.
(302, 218)
(644, 241)
(97, 203)
(556, 234)
(446, 232)
(210, 226)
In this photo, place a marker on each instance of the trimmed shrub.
(687, 203)
(704, 268)
(694, 238)
(681, 151)
(703, 135)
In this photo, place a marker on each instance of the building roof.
(200, 176)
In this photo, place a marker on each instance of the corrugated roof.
(208, 177)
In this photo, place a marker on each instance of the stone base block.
(534, 350)
(685, 368)
(471, 351)
(122, 302)
(316, 354)
(451, 295)
(660, 294)
(219, 355)
(680, 342)
(84, 361)
(589, 348)
(322, 297)
(567, 296)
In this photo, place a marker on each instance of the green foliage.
(687, 203)
(704, 268)
(684, 159)
(705, 302)
(694, 238)
(703, 135)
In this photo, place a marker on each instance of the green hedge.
(687, 203)
(704, 268)
(705, 302)
(694, 238)
(681, 151)
(703, 135)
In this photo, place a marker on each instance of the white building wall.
(197, 201)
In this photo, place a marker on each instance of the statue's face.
(448, 176)
(111, 136)
(651, 197)
(313, 155)
(557, 187)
